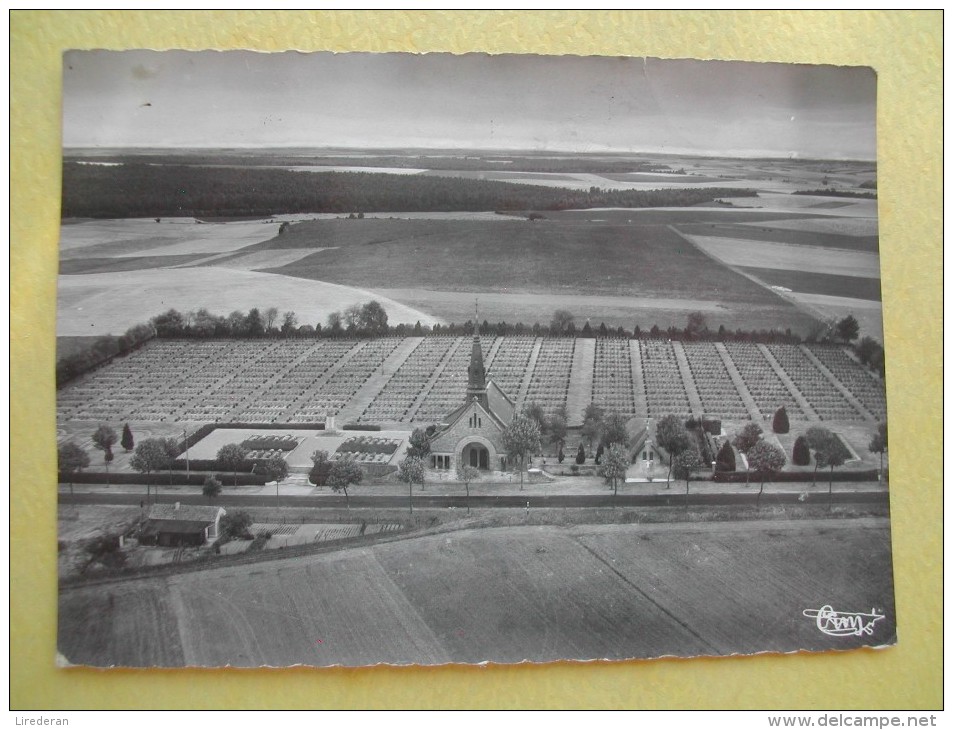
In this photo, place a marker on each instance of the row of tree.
(370, 320)
(72, 459)
(101, 350)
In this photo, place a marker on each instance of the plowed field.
(503, 595)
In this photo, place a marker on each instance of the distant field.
(170, 236)
(768, 255)
(614, 310)
(811, 283)
(671, 179)
(868, 313)
(97, 304)
(256, 260)
(799, 237)
(124, 263)
(503, 175)
(808, 204)
(841, 226)
(503, 595)
(517, 256)
(679, 216)
(70, 345)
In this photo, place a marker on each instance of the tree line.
(140, 190)
(100, 351)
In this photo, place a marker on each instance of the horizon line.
(746, 154)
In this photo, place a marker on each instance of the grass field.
(541, 257)
(96, 304)
(868, 313)
(864, 227)
(812, 259)
(855, 287)
(799, 237)
(679, 216)
(783, 204)
(506, 595)
(116, 264)
(169, 236)
(614, 310)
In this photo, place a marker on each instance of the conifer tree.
(128, 442)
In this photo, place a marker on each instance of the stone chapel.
(472, 435)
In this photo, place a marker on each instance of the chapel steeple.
(476, 384)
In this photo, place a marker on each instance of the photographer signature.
(843, 623)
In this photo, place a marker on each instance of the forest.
(142, 190)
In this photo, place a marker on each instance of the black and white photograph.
(426, 359)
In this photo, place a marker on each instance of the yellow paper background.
(905, 48)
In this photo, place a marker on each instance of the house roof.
(184, 513)
(501, 405)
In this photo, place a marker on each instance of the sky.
(528, 102)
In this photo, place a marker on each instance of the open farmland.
(799, 236)
(402, 380)
(531, 257)
(770, 255)
(125, 237)
(806, 282)
(502, 595)
(620, 274)
(98, 304)
(419, 267)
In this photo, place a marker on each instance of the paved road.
(424, 501)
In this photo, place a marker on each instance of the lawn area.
(542, 257)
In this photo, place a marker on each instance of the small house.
(177, 525)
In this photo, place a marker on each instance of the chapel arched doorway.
(477, 456)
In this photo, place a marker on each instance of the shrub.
(366, 445)
(212, 487)
(726, 458)
(195, 479)
(270, 443)
(734, 477)
(781, 423)
(210, 465)
(711, 425)
(258, 543)
(235, 525)
(319, 473)
(801, 455)
(581, 455)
